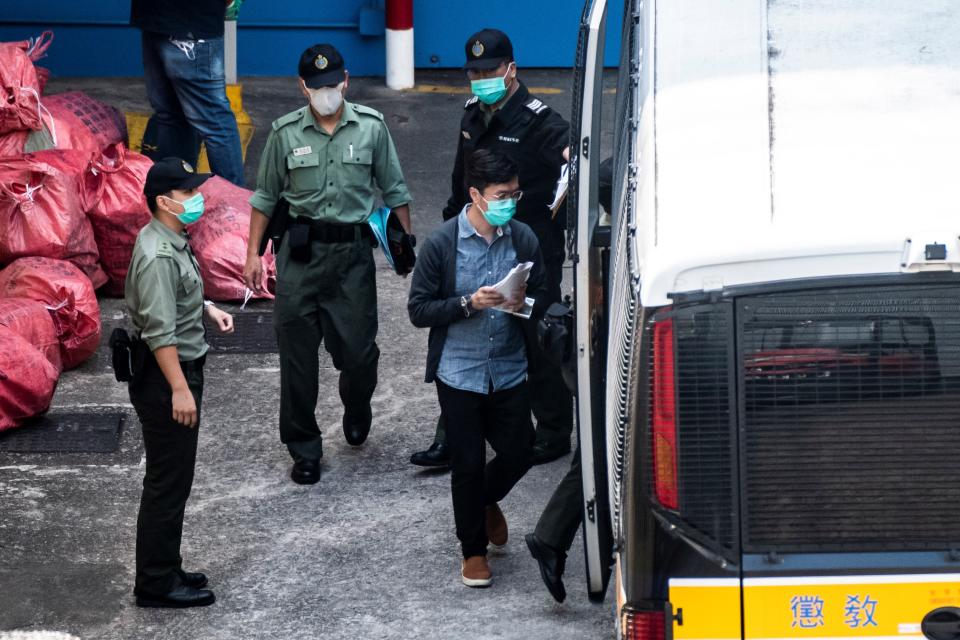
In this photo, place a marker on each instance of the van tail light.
(643, 625)
(664, 416)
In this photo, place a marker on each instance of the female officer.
(164, 295)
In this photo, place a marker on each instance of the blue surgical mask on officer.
(490, 90)
(192, 208)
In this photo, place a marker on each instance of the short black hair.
(485, 167)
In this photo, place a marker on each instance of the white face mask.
(326, 100)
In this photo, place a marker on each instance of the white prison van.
(767, 333)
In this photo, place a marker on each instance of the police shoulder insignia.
(284, 120)
(359, 108)
(537, 106)
(472, 100)
(321, 63)
(164, 250)
(477, 49)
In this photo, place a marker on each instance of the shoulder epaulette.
(293, 116)
(472, 100)
(164, 250)
(365, 110)
(536, 106)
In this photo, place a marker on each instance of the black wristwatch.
(466, 305)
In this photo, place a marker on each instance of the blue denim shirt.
(488, 347)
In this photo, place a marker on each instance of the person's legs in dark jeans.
(168, 133)
(196, 73)
(468, 453)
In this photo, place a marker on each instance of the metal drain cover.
(252, 333)
(66, 433)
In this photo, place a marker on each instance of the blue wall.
(92, 37)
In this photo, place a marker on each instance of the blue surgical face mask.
(490, 90)
(499, 212)
(192, 209)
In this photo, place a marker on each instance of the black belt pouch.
(298, 239)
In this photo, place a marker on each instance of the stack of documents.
(510, 287)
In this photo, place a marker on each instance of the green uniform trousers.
(563, 515)
(333, 299)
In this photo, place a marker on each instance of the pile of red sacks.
(71, 206)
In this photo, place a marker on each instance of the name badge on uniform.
(302, 151)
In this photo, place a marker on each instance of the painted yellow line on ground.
(449, 88)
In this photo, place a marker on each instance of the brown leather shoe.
(475, 572)
(496, 526)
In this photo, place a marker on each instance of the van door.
(589, 294)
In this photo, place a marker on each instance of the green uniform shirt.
(326, 177)
(164, 292)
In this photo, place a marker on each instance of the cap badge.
(186, 166)
(477, 49)
(321, 63)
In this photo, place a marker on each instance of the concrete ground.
(368, 552)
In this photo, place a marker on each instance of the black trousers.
(550, 398)
(171, 450)
(563, 515)
(501, 418)
(331, 299)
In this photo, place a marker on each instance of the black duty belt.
(328, 232)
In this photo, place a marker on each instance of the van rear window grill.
(705, 430)
(850, 417)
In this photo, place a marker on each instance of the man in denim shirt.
(477, 352)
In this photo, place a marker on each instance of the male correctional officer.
(164, 294)
(503, 116)
(563, 515)
(325, 160)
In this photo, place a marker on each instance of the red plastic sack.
(27, 380)
(219, 240)
(119, 209)
(60, 285)
(13, 143)
(80, 122)
(42, 211)
(43, 76)
(19, 85)
(32, 320)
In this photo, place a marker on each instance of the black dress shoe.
(543, 453)
(195, 580)
(436, 456)
(180, 597)
(356, 425)
(305, 472)
(551, 564)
